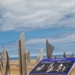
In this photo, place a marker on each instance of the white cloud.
(66, 39)
(32, 14)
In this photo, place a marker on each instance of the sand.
(14, 67)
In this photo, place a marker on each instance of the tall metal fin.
(64, 55)
(72, 55)
(49, 49)
(5, 64)
(22, 55)
(28, 58)
(40, 57)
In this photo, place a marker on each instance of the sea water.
(44, 57)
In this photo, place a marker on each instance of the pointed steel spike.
(41, 53)
(23, 51)
(5, 66)
(0, 54)
(49, 49)
(28, 58)
(72, 55)
(8, 64)
(55, 57)
(40, 57)
(64, 55)
(22, 56)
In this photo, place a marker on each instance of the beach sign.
(49, 49)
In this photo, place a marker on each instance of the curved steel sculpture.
(49, 49)
(22, 55)
(5, 66)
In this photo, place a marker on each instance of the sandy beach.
(14, 67)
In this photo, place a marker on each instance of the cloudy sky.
(38, 19)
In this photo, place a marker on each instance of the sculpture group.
(24, 57)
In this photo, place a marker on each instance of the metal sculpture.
(28, 58)
(49, 49)
(22, 55)
(40, 57)
(5, 66)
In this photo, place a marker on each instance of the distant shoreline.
(34, 57)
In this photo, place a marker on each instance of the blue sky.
(38, 19)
